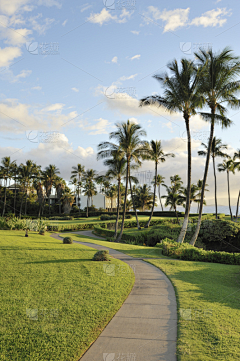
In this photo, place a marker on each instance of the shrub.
(101, 256)
(152, 240)
(42, 232)
(67, 240)
(187, 252)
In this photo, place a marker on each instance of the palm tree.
(144, 197)
(228, 166)
(89, 177)
(160, 181)
(193, 195)
(155, 153)
(49, 176)
(216, 151)
(237, 165)
(128, 136)
(6, 174)
(89, 191)
(60, 186)
(78, 172)
(116, 170)
(112, 193)
(67, 199)
(32, 169)
(181, 94)
(198, 198)
(218, 86)
(15, 171)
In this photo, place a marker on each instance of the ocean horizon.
(206, 209)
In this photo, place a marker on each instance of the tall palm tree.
(198, 198)
(144, 197)
(89, 177)
(237, 165)
(49, 175)
(60, 186)
(160, 181)
(116, 170)
(128, 136)
(181, 94)
(15, 171)
(193, 195)
(218, 86)
(227, 166)
(216, 151)
(89, 191)
(32, 169)
(78, 172)
(173, 197)
(6, 174)
(67, 199)
(155, 153)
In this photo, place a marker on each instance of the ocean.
(206, 209)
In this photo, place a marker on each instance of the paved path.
(146, 324)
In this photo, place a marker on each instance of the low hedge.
(187, 252)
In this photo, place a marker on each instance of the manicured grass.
(208, 296)
(95, 220)
(129, 249)
(55, 300)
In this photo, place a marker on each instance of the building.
(99, 201)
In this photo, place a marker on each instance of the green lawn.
(55, 300)
(208, 296)
(96, 220)
(129, 249)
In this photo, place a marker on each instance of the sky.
(70, 70)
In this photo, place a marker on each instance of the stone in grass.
(67, 240)
(101, 256)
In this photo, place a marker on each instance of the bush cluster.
(187, 252)
(101, 256)
(67, 240)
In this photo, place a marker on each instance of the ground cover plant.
(55, 300)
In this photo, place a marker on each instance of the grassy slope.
(129, 249)
(210, 293)
(73, 296)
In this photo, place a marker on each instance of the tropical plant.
(181, 94)
(144, 197)
(49, 177)
(155, 153)
(160, 181)
(129, 144)
(218, 86)
(6, 173)
(216, 151)
(78, 172)
(237, 166)
(228, 166)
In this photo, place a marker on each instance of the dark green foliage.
(187, 252)
(101, 256)
(67, 240)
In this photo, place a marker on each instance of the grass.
(208, 298)
(55, 300)
(129, 249)
(95, 220)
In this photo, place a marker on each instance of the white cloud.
(75, 90)
(65, 22)
(100, 127)
(135, 32)
(36, 88)
(85, 7)
(41, 28)
(53, 107)
(114, 59)
(105, 16)
(135, 57)
(50, 3)
(123, 78)
(23, 74)
(8, 54)
(11, 7)
(173, 18)
(134, 120)
(211, 18)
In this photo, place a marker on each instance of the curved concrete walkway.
(145, 327)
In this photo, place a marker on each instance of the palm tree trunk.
(87, 207)
(237, 206)
(14, 202)
(5, 199)
(118, 207)
(185, 222)
(26, 202)
(154, 194)
(160, 197)
(195, 236)
(133, 202)
(215, 180)
(176, 214)
(229, 200)
(20, 213)
(125, 201)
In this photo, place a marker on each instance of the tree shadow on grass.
(74, 260)
(218, 283)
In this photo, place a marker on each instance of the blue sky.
(76, 69)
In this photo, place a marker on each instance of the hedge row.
(187, 252)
